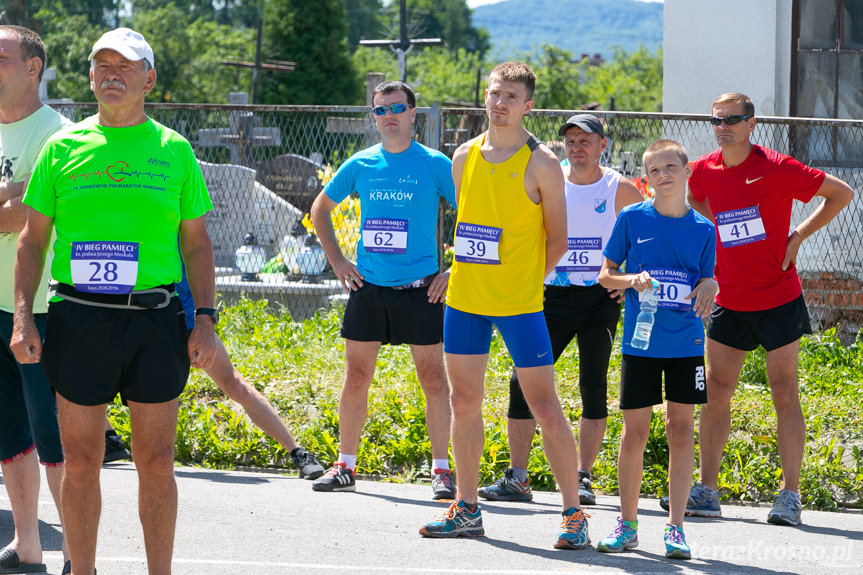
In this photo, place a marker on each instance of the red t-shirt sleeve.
(800, 181)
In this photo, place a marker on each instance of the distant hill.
(580, 26)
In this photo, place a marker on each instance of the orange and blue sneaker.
(458, 521)
(574, 534)
(675, 544)
(624, 536)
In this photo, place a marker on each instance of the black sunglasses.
(394, 108)
(729, 120)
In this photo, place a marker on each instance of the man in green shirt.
(117, 189)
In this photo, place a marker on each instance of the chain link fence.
(264, 165)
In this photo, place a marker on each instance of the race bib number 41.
(477, 244)
(385, 236)
(104, 267)
(739, 227)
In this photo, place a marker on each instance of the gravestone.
(242, 205)
(293, 178)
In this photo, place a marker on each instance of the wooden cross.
(403, 45)
(269, 65)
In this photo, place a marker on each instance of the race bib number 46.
(385, 236)
(582, 255)
(104, 267)
(739, 227)
(477, 244)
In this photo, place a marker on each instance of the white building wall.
(712, 47)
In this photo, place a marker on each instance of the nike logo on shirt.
(753, 180)
(641, 241)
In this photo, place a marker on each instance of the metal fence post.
(433, 128)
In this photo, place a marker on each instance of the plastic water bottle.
(649, 301)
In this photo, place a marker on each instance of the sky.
(475, 3)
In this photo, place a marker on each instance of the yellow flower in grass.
(346, 224)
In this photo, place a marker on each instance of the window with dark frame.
(827, 75)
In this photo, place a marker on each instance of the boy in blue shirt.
(666, 241)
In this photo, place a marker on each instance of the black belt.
(420, 283)
(153, 298)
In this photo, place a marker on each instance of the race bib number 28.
(477, 244)
(104, 267)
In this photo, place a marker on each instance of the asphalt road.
(243, 522)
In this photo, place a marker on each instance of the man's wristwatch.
(213, 313)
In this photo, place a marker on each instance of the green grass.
(299, 367)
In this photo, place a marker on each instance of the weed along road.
(241, 522)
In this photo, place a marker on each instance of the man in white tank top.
(576, 306)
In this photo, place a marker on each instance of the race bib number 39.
(104, 267)
(739, 227)
(477, 244)
(385, 236)
(582, 255)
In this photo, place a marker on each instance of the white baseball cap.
(130, 44)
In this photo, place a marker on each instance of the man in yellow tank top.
(510, 233)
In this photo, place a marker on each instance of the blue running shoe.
(675, 544)
(458, 521)
(574, 534)
(507, 488)
(702, 502)
(787, 509)
(624, 536)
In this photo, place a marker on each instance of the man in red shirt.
(748, 191)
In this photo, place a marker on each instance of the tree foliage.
(317, 41)
(449, 20)
(191, 38)
(189, 52)
(628, 82)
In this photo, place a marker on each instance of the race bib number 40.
(674, 286)
(739, 227)
(477, 244)
(104, 267)
(582, 255)
(385, 236)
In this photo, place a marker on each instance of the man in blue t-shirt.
(396, 290)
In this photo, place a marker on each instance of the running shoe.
(787, 509)
(585, 489)
(443, 486)
(306, 464)
(702, 502)
(115, 449)
(507, 488)
(458, 521)
(337, 478)
(675, 544)
(574, 534)
(624, 536)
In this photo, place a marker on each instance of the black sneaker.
(585, 489)
(443, 487)
(337, 478)
(306, 464)
(115, 449)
